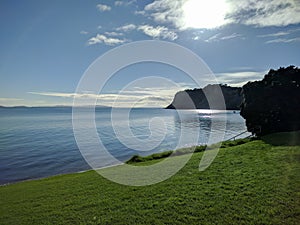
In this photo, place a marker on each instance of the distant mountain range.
(196, 98)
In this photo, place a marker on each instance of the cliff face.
(273, 104)
(191, 99)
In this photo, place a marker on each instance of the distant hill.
(190, 99)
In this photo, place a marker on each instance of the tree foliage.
(273, 104)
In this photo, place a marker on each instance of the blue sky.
(46, 46)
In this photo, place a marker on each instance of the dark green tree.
(273, 104)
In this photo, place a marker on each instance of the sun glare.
(204, 13)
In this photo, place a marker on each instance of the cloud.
(158, 96)
(265, 13)
(103, 8)
(54, 94)
(239, 78)
(126, 28)
(84, 32)
(139, 12)
(215, 37)
(189, 14)
(231, 36)
(152, 101)
(100, 38)
(284, 40)
(282, 36)
(209, 14)
(158, 32)
(166, 11)
(106, 97)
(119, 3)
(115, 34)
(11, 101)
(281, 33)
(219, 37)
(124, 3)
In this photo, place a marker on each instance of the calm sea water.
(39, 142)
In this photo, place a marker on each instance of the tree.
(273, 104)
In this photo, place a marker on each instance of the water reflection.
(203, 118)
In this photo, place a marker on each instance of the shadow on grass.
(283, 139)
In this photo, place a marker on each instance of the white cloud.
(286, 36)
(207, 14)
(158, 32)
(186, 14)
(115, 34)
(100, 38)
(156, 96)
(265, 13)
(126, 28)
(166, 11)
(83, 32)
(119, 3)
(219, 37)
(280, 33)
(284, 40)
(11, 101)
(215, 37)
(103, 8)
(231, 36)
(54, 94)
(124, 3)
(139, 12)
(239, 78)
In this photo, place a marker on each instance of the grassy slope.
(253, 183)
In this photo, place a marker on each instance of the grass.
(194, 149)
(252, 183)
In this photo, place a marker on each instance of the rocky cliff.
(196, 98)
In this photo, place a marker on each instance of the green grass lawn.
(257, 182)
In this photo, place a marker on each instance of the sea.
(37, 142)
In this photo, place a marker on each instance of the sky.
(46, 46)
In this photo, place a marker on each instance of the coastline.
(135, 159)
(247, 180)
(283, 138)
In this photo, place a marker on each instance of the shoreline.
(135, 159)
(60, 174)
(241, 180)
(284, 138)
